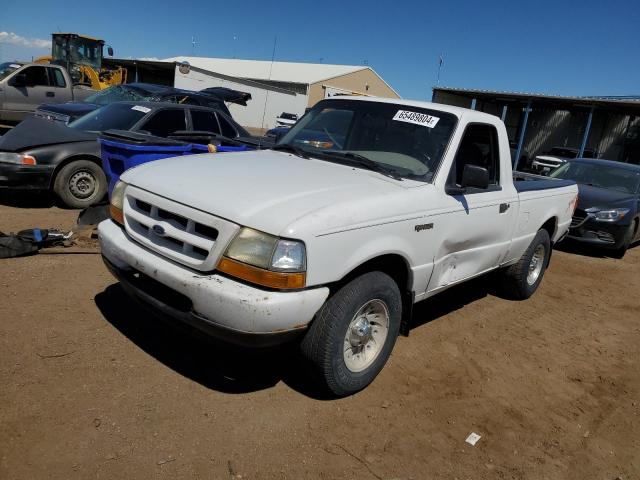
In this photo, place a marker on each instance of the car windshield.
(118, 93)
(121, 116)
(7, 69)
(402, 140)
(599, 175)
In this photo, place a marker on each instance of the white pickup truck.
(364, 208)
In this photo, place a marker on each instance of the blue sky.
(566, 48)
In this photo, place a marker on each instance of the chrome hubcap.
(82, 184)
(536, 264)
(366, 335)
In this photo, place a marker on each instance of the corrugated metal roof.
(624, 100)
(306, 73)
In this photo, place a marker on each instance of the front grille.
(181, 233)
(579, 217)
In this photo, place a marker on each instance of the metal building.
(609, 126)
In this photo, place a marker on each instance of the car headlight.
(117, 201)
(608, 215)
(17, 158)
(265, 260)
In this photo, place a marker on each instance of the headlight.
(17, 158)
(117, 202)
(609, 215)
(265, 260)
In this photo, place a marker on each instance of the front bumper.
(602, 234)
(30, 177)
(222, 307)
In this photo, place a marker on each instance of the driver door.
(477, 231)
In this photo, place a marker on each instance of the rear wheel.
(521, 280)
(353, 334)
(80, 184)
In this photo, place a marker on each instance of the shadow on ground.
(586, 250)
(27, 199)
(454, 299)
(231, 369)
(212, 364)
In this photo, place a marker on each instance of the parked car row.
(51, 152)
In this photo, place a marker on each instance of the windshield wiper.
(361, 161)
(287, 147)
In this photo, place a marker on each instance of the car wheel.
(521, 280)
(628, 238)
(352, 336)
(80, 184)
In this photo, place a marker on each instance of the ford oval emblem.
(158, 230)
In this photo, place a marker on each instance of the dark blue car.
(608, 211)
(134, 92)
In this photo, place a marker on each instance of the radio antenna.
(266, 97)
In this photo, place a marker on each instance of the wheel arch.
(398, 268)
(551, 226)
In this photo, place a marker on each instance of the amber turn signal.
(116, 214)
(259, 276)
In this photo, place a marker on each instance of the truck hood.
(269, 190)
(37, 132)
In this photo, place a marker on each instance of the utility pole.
(440, 63)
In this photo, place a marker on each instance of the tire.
(341, 360)
(80, 184)
(521, 280)
(628, 238)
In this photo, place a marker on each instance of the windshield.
(118, 93)
(403, 140)
(598, 175)
(120, 116)
(7, 69)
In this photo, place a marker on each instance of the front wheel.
(522, 279)
(353, 334)
(80, 184)
(626, 242)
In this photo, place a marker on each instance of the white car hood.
(266, 190)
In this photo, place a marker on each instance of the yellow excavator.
(82, 57)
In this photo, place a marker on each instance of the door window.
(166, 122)
(479, 146)
(36, 76)
(227, 129)
(205, 121)
(57, 78)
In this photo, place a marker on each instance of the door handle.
(50, 94)
(504, 207)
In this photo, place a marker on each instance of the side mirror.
(19, 80)
(110, 51)
(475, 176)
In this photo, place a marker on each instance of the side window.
(36, 76)
(228, 130)
(205, 121)
(165, 122)
(479, 146)
(57, 78)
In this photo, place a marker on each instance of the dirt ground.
(91, 386)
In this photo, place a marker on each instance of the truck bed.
(526, 182)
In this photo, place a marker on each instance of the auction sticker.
(416, 118)
(141, 109)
